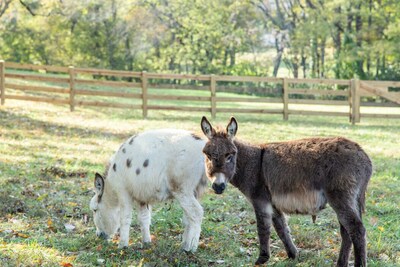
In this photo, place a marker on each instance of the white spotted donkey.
(151, 167)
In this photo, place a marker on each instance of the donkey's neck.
(248, 167)
(110, 195)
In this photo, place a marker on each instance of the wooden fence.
(215, 93)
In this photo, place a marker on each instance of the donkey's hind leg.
(193, 217)
(283, 231)
(344, 248)
(144, 218)
(348, 213)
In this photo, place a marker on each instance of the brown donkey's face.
(220, 152)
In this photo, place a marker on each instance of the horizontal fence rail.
(200, 93)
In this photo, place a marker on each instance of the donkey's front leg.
(283, 231)
(144, 218)
(125, 223)
(263, 210)
(193, 217)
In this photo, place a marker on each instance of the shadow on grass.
(11, 121)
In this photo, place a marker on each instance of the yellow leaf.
(22, 235)
(66, 264)
(202, 245)
(153, 238)
(282, 254)
(380, 228)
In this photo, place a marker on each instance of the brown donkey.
(298, 177)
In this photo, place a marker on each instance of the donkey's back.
(155, 164)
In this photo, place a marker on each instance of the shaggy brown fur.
(299, 176)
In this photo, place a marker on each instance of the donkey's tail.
(361, 197)
(361, 202)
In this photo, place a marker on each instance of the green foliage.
(342, 39)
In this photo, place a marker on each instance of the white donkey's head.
(105, 213)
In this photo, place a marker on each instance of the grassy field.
(48, 160)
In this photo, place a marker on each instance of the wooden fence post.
(350, 99)
(355, 101)
(71, 72)
(213, 96)
(285, 95)
(2, 81)
(144, 94)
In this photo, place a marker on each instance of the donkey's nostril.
(222, 186)
(214, 186)
(218, 188)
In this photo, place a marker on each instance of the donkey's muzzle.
(218, 188)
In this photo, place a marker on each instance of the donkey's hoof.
(262, 259)
(189, 249)
(146, 245)
(123, 244)
(292, 254)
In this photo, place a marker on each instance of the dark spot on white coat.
(146, 163)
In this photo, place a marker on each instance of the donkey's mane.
(220, 132)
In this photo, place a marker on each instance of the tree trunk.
(323, 43)
(295, 63)
(278, 58)
(232, 57)
(360, 61)
(304, 63)
(277, 63)
(337, 40)
(315, 58)
(369, 35)
(377, 68)
(225, 60)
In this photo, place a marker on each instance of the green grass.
(47, 164)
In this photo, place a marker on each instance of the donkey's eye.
(228, 157)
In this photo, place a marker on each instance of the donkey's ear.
(207, 128)
(99, 185)
(231, 128)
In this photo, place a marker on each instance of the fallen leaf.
(282, 254)
(50, 225)
(66, 264)
(22, 235)
(202, 245)
(153, 238)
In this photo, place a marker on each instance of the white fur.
(175, 170)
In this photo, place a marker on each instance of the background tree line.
(299, 38)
